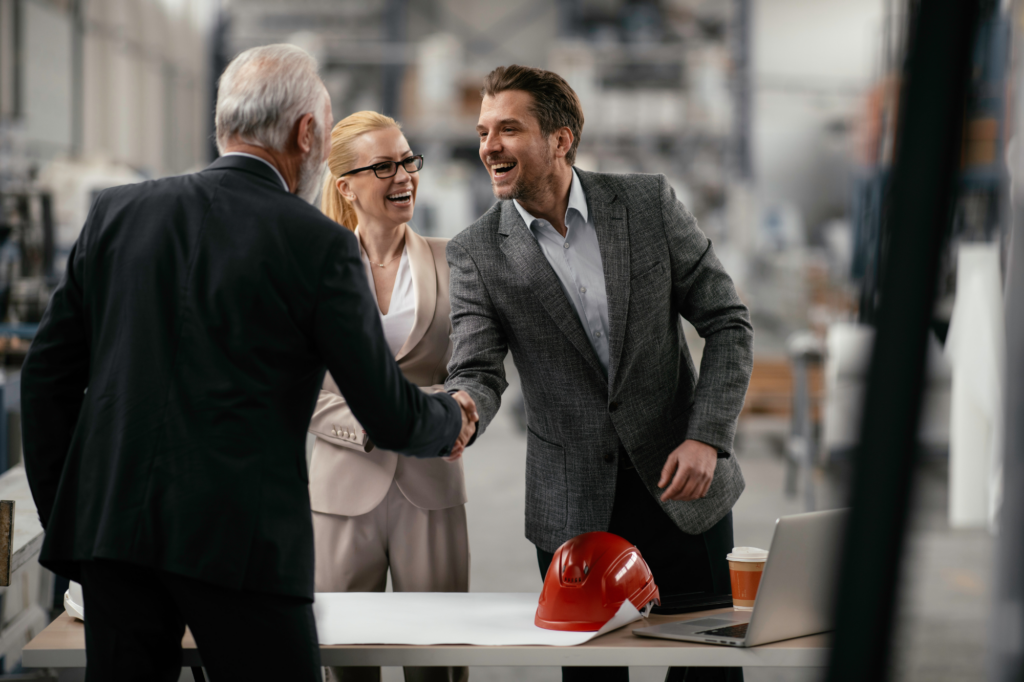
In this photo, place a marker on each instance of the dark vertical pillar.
(220, 59)
(18, 73)
(77, 77)
(392, 74)
(741, 90)
(49, 229)
(919, 211)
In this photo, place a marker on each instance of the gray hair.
(263, 92)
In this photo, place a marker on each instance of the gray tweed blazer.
(658, 266)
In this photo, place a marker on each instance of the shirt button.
(583, 290)
(609, 458)
(597, 335)
(565, 245)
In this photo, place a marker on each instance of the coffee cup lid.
(750, 554)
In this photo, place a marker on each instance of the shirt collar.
(253, 156)
(577, 201)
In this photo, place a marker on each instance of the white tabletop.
(62, 645)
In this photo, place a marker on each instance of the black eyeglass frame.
(416, 158)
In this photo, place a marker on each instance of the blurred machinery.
(848, 357)
(40, 219)
(26, 244)
(41, 216)
(26, 254)
(980, 216)
(836, 288)
(662, 83)
(982, 198)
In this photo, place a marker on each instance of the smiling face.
(381, 201)
(520, 159)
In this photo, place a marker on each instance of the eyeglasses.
(389, 169)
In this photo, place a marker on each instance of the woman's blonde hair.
(343, 159)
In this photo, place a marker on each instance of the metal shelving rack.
(982, 201)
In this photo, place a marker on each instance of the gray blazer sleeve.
(704, 294)
(479, 346)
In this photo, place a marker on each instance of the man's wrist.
(476, 425)
(719, 452)
(451, 438)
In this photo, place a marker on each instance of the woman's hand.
(469, 420)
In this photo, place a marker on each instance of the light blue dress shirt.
(576, 260)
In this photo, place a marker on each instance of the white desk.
(62, 645)
(25, 603)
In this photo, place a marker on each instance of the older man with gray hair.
(166, 397)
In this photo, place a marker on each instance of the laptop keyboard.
(738, 631)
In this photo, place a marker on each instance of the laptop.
(794, 598)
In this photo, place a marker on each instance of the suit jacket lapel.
(424, 278)
(609, 216)
(522, 249)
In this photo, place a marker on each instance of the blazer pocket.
(547, 487)
(657, 268)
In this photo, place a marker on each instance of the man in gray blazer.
(584, 277)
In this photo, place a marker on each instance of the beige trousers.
(426, 551)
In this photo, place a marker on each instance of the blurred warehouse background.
(774, 122)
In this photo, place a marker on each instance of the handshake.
(469, 420)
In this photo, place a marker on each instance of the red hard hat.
(589, 578)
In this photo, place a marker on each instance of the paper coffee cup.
(746, 565)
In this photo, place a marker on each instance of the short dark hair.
(555, 103)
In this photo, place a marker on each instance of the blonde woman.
(374, 510)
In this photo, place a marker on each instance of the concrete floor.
(942, 626)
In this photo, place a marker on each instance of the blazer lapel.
(609, 216)
(424, 279)
(522, 249)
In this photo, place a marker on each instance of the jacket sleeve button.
(609, 458)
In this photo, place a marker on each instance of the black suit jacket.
(166, 398)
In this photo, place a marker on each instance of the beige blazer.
(348, 476)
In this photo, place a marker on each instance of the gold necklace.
(387, 263)
(380, 265)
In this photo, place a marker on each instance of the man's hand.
(469, 420)
(689, 468)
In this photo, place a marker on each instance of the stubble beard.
(311, 171)
(520, 190)
(525, 188)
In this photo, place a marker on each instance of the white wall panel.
(96, 138)
(47, 79)
(145, 73)
(812, 60)
(154, 117)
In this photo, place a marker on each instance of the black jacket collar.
(249, 165)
